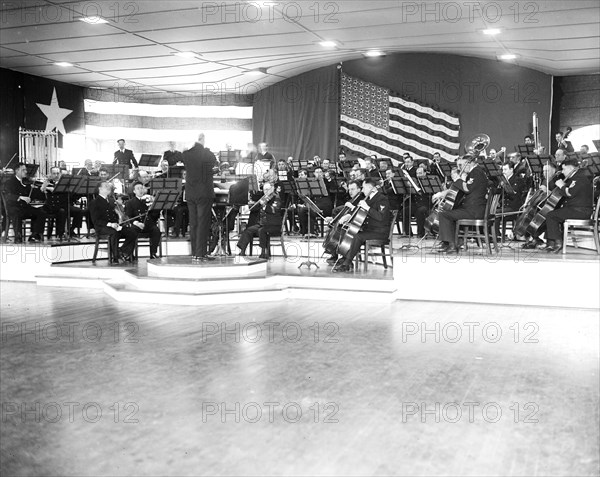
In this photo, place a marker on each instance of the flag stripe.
(371, 125)
(409, 142)
(182, 123)
(166, 110)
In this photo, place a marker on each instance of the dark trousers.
(181, 219)
(200, 211)
(263, 233)
(449, 218)
(76, 217)
(556, 218)
(324, 204)
(419, 212)
(113, 237)
(37, 216)
(503, 220)
(153, 232)
(358, 241)
(60, 219)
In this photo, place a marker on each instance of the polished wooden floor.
(327, 388)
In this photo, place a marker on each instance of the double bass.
(332, 239)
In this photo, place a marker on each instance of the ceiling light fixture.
(93, 20)
(507, 56)
(492, 31)
(328, 43)
(64, 64)
(373, 53)
(257, 72)
(186, 54)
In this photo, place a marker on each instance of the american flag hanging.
(376, 120)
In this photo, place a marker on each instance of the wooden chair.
(280, 235)
(481, 229)
(370, 246)
(590, 225)
(144, 243)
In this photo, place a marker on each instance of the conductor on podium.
(199, 190)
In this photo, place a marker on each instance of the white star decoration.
(55, 114)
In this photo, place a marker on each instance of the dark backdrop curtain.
(11, 114)
(299, 117)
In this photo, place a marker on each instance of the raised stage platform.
(514, 276)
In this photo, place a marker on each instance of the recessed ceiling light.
(257, 72)
(492, 31)
(186, 54)
(507, 56)
(63, 63)
(93, 20)
(328, 43)
(374, 53)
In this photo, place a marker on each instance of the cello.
(432, 222)
(351, 228)
(332, 239)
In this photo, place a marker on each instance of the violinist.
(323, 202)
(389, 189)
(18, 192)
(421, 204)
(355, 194)
(377, 224)
(579, 194)
(164, 169)
(106, 222)
(270, 222)
(56, 204)
(139, 206)
(473, 183)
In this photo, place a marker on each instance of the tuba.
(477, 144)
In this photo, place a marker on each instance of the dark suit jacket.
(172, 157)
(135, 207)
(13, 189)
(199, 163)
(515, 201)
(103, 211)
(125, 158)
(579, 191)
(475, 190)
(378, 216)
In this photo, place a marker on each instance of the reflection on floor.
(91, 386)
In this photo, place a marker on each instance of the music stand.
(121, 171)
(307, 188)
(536, 163)
(596, 143)
(88, 186)
(431, 184)
(176, 172)
(525, 149)
(68, 184)
(32, 169)
(593, 163)
(149, 160)
(491, 168)
(409, 186)
(162, 184)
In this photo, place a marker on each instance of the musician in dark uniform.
(270, 222)
(548, 183)
(18, 204)
(578, 203)
(353, 196)
(513, 199)
(138, 206)
(57, 204)
(562, 143)
(124, 156)
(376, 226)
(172, 156)
(106, 222)
(200, 163)
(473, 184)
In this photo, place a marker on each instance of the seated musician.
(164, 169)
(421, 204)
(323, 202)
(578, 204)
(57, 204)
(547, 184)
(377, 224)
(513, 199)
(270, 222)
(394, 198)
(138, 206)
(370, 169)
(106, 221)
(354, 191)
(473, 183)
(18, 205)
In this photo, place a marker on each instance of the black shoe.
(548, 247)
(442, 248)
(19, 239)
(557, 248)
(342, 267)
(153, 256)
(205, 258)
(332, 260)
(114, 261)
(452, 250)
(33, 239)
(124, 257)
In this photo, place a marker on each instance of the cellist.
(578, 204)
(473, 182)
(377, 223)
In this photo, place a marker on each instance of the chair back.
(492, 203)
(596, 211)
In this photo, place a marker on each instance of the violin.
(263, 200)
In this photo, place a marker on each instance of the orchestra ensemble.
(346, 200)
